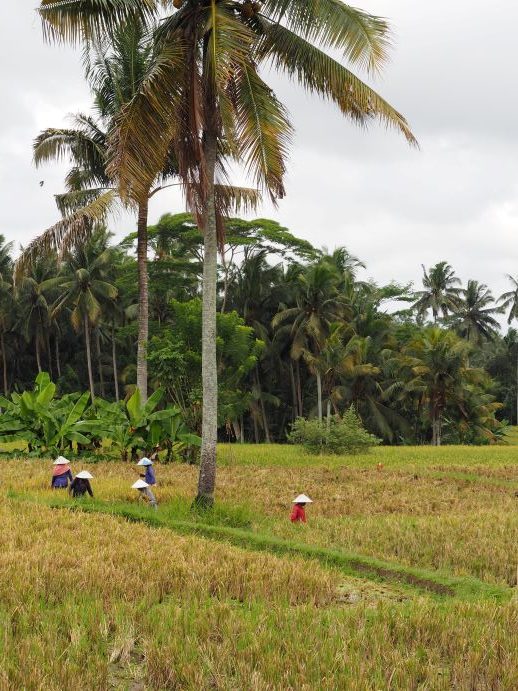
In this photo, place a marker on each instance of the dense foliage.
(337, 435)
(299, 335)
(49, 425)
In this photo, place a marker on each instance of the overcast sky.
(453, 73)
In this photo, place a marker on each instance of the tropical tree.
(434, 369)
(6, 301)
(509, 301)
(319, 305)
(207, 96)
(84, 290)
(34, 295)
(115, 69)
(441, 292)
(473, 317)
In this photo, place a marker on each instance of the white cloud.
(452, 73)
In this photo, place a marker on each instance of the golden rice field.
(94, 601)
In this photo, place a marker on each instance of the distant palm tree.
(441, 292)
(84, 291)
(509, 301)
(319, 305)
(34, 294)
(474, 316)
(345, 262)
(115, 71)
(434, 369)
(7, 307)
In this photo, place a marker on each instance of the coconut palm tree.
(441, 292)
(34, 295)
(115, 69)
(84, 290)
(207, 96)
(509, 301)
(434, 368)
(474, 318)
(319, 305)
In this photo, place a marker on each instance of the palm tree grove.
(259, 347)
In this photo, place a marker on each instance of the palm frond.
(69, 21)
(321, 74)
(231, 199)
(362, 38)
(140, 143)
(67, 233)
(263, 130)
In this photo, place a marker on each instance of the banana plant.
(132, 426)
(69, 427)
(28, 416)
(174, 435)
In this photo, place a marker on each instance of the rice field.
(403, 578)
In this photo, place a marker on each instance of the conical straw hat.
(145, 461)
(61, 460)
(139, 484)
(85, 475)
(302, 499)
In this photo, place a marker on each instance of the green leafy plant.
(338, 435)
(134, 426)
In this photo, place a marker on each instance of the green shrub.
(338, 435)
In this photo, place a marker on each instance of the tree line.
(299, 334)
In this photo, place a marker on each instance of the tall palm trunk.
(207, 476)
(225, 281)
(38, 357)
(58, 361)
(114, 362)
(319, 396)
(99, 361)
(143, 299)
(299, 390)
(517, 386)
(436, 428)
(293, 392)
(89, 356)
(263, 409)
(49, 352)
(4, 362)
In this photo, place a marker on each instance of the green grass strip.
(435, 583)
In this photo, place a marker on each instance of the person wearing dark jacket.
(61, 474)
(80, 485)
(149, 475)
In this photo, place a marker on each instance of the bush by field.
(338, 435)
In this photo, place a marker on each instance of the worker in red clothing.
(298, 514)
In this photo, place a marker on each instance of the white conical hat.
(145, 461)
(302, 499)
(139, 484)
(61, 460)
(85, 475)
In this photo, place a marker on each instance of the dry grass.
(145, 606)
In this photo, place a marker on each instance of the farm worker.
(298, 514)
(143, 488)
(149, 475)
(61, 473)
(80, 485)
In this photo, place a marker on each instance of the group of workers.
(79, 485)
